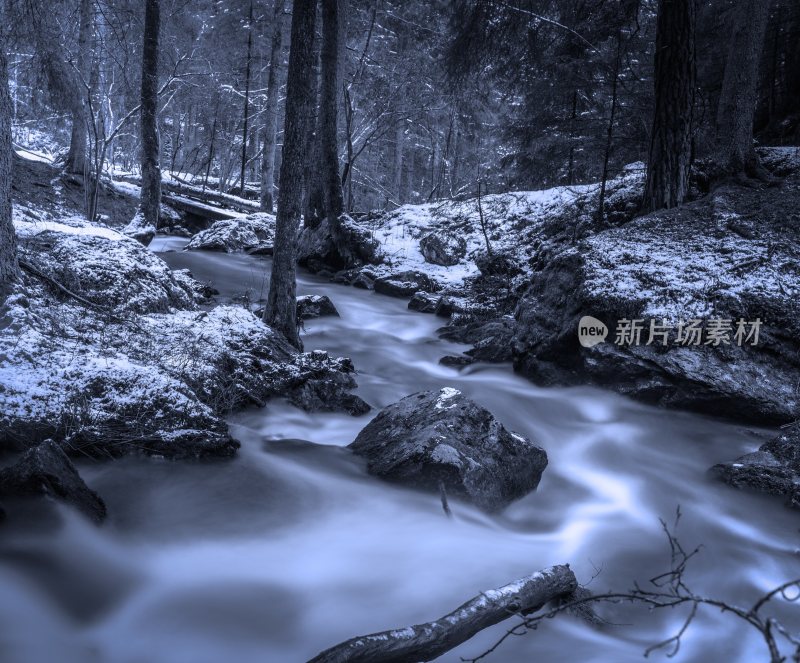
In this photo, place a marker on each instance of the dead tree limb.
(425, 642)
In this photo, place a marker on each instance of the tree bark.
(280, 311)
(333, 21)
(668, 166)
(425, 642)
(9, 270)
(609, 133)
(151, 172)
(397, 175)
(314, 201)
(735, 153)
(271, 111)
(76, 157)
(246, 120)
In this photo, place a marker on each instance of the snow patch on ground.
(679, 275)
(515, 223)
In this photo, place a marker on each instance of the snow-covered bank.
(732, 256)
(536, 262)
(107, 350)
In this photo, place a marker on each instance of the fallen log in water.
(425, 642)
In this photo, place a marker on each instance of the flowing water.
(292, 547)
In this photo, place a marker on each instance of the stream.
(291, 547)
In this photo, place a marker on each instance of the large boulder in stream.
(773, 469)
(315, 306)
(45, 471)
(442, 438)
(254, 233)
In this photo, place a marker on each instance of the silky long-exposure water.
(292, 547)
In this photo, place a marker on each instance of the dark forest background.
(437, 96)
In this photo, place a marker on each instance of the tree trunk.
(425, 642)
(280, 311)
(151, 173)
(211, 147)
(572, 118)
(76, 157)
(271, 111)
(8, 244)
(399, 140)
(609, 133)
(333, 21)
(314, 202)
(246, 128)
(671, 140)
(735, 153)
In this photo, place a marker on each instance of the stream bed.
(291, 547)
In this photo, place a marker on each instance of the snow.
(516, 223)
(142, 361)
(678, 276)
(236, 234)
(505, 216)
(446, 394)
(107, 267)
(28, 227)
(33, 155)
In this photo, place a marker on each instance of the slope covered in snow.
(108, 350)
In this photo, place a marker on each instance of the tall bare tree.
(76, 157)
(737, 102)
(151, 172)
(271, 110)
(281, 309)
(671, 140)
(246, 121)
(333, 38)
(8, 243)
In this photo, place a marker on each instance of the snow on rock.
(774, 468)
(424, 302)
(442, 248)
(139, 229)
(231, 235)
(780, 160)
(138, 367)
(356, 245)
(315, 306)
(734, 254)
(442, 437)
(515, 223)
(404, 284)
(102, 265)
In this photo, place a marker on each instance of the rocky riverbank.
(515, 273)
(107, 351)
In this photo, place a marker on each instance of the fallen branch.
(35, 272)
(61, 288)
(669, 590)
(425, 642)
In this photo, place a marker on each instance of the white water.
(291, 547)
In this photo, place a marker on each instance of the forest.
(398, 331)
